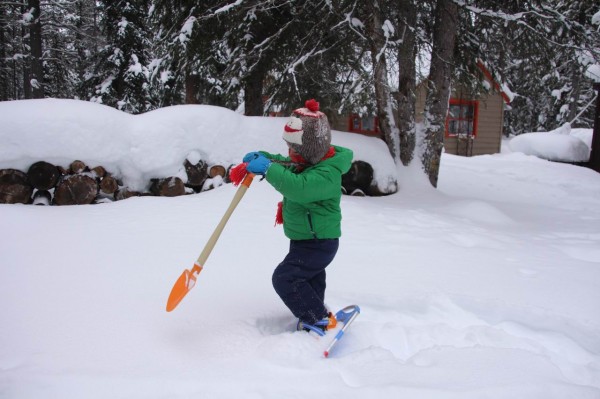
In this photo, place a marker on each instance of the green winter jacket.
(311, 198)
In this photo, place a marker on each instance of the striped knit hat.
(308, 133)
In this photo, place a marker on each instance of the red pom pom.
(312, 105)
(237, 174)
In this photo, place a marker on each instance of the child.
(310, 181)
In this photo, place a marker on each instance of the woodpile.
(360, 181)
(78, 184)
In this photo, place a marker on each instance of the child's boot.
(321, 326)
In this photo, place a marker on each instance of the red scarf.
(302, 163)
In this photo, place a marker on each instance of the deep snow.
(562, 145)
(484, 288)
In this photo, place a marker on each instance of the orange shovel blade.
(182, 286)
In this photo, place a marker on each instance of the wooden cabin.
(473, 125)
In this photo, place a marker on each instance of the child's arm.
(276, 157)
(317, 184)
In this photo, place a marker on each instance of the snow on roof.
(502, 88)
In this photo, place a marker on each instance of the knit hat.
(308, 133)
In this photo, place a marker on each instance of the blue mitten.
(259, 165)
(250, 156)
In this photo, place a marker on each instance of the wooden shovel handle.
(219, 229)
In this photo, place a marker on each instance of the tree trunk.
(191, 88)
(253, 91)
(438, 87)
(4, 70)
(377, 43)
(35, 41)
(595, 154)
(79, 40)
(407, 80)
(26, 63)
(575, 94)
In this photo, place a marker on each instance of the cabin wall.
(489, 125)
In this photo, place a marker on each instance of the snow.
(135, 67)
(186, 29)
(509, 94)
(388, 29)
(357, 23)
(593, 72)
(122, 26)
(596, 18)
(228, 7)
(485, 287)
(563, 144)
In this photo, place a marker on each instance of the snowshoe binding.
(320, 327)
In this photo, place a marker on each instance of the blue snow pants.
(300, 279)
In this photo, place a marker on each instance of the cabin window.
(462, 118)
(365, 124)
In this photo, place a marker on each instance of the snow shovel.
(187, 280)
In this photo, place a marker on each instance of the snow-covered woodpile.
(48, 184)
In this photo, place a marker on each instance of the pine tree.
(188, 68)
(541, 49)
(277, 54)
(9, 43)
(121, 75)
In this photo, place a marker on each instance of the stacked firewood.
(48, 184)
(360, 182)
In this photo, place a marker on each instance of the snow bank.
(137, 148)
(562, 144)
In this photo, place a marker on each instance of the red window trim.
(457, 101)
(351, 128)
